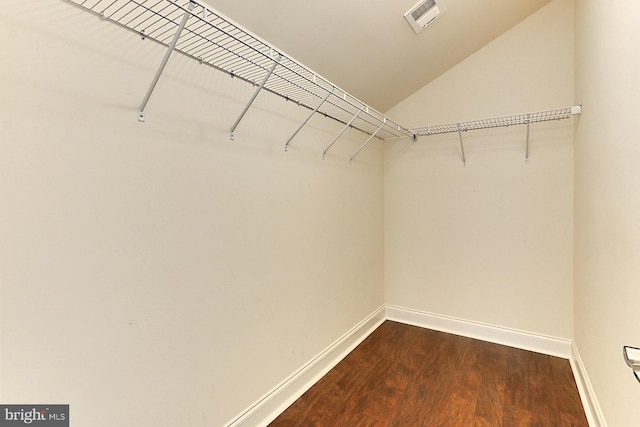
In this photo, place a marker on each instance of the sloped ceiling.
(367, 48)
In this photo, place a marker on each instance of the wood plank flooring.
(407, 376)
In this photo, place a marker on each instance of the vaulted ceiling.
(367, 48)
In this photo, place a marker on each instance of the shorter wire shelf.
(505, 121)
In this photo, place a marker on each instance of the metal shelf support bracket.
(367, 141)
(526, 150)
(253, 98)
(464, 159)
(286, 146)
(344, 129)
(165, 59)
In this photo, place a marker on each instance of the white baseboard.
(587, 395)
(514, 338)
(267, 408)
(519, 339)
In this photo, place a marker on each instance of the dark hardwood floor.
(407, 376)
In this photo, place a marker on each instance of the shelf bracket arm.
(253, 98)
(163, 64)
(526, 152)
(384, 121)
(324, 153)
(286, 146)
(464, 159)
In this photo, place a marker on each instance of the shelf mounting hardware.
(526, 153)
(163, 64)
(464, 159)
(286, 146)
(367, 141)
(253, 98)
(324, 153)
(632, 358)
(576, 109)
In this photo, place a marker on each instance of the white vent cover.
(423, 14)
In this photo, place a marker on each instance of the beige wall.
(490, 242)
(158, 274)
(163, 271)
(607, 201)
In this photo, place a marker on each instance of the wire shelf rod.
(148, 18)
(142, 13)
(112, 3)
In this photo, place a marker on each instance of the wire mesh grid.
(214, 40)
(505, 121)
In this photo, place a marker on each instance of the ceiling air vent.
(423, 14)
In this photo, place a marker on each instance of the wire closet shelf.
(200, 33)
(504, 121)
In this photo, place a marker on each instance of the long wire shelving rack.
(203, 34)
